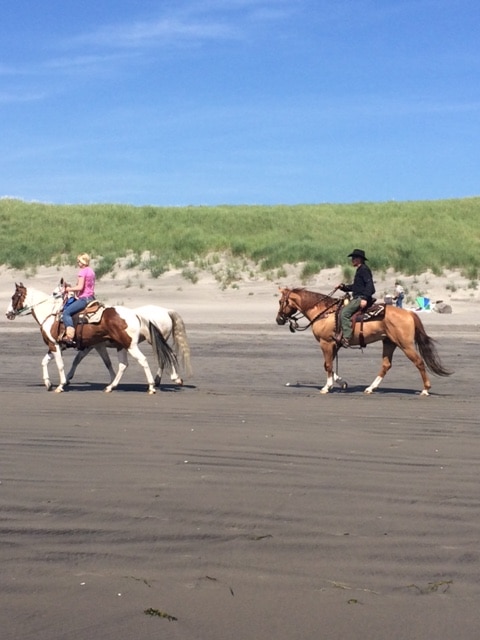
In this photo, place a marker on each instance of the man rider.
(362, 290)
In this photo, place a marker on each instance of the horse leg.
(417, 360)
(143, 362)
(46, 377)
(103, 353)
(61, 369)
(76, 361)
(122, 365)
(329, 350)
(174, 377)
(387, 355)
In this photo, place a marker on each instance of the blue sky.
(178, 102)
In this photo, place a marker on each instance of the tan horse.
(396, 328)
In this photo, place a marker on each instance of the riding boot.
(69, 339)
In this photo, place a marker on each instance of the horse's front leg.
(328, 350)
(122, 365)
(61, 368)
(46, 377)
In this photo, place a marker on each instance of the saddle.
(375, 311)
(92, 314)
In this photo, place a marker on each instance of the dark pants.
(346, 316)
(73, 308)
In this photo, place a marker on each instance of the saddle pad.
(91, 314)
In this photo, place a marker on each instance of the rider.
(362, 291)
(85, 293)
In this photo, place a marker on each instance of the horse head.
(17, 303)
(59, 291)
(286, 309)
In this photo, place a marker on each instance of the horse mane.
(312, 298)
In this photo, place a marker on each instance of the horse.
(118, 325)
(396, 327)
(169, 323)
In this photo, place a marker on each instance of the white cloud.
(190, 22)
(13, 97)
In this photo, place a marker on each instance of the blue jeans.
(73, 308)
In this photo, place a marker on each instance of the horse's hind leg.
(387, 355)
(143, 362)
(417, 360)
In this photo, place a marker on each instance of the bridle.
(20, 294)
(299, 315)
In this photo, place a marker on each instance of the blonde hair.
(84, 259)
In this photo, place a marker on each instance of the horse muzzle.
(281, 319)
(11, 315)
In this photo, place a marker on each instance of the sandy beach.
(243, 504)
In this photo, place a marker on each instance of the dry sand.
(239, 506)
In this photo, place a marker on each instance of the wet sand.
(239, 506)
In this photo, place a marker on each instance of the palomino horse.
(118, 325)
(397, 328)
(169, 323)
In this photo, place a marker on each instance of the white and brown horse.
(118, 325)
(169, 323)
(395, 328)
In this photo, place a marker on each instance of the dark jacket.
(362, 286)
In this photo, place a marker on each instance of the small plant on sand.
(105, 265)
(190, 274)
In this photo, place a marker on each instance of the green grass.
(409, 237)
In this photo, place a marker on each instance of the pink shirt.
(88, 290)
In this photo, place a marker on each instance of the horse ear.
(61, 282)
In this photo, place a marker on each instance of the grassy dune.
(409, 237)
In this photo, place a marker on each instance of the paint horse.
(118, 325)
(396, 327)
(169, 323)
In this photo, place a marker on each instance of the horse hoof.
(325, 390)
(107, 390)
(48, 386)
(179, 381)
(368, 391)
(424, 393)
(59, 389)
(151, 392)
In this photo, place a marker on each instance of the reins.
(293, 320)
(28, 308)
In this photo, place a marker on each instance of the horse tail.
(163, 351)
(180, 341)
(427, 349)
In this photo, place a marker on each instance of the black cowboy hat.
(357, 253)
